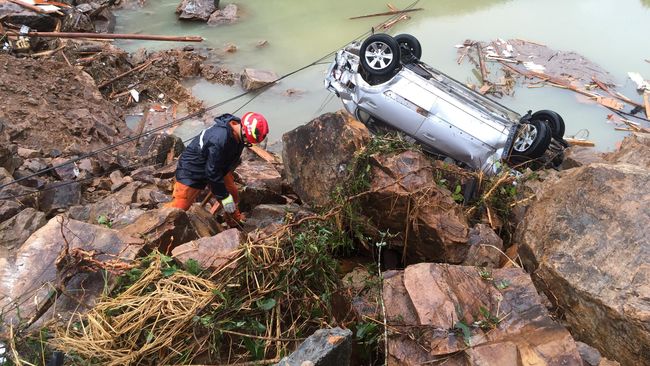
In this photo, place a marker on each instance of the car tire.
(379, 54)
(409, 43)
(532, 140)
(554, 121)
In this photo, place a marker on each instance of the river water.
(611, 33)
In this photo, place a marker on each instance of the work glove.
(228, 204)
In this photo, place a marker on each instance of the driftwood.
(579, 142)
(118, 77)
(147, 37)
(392, 12)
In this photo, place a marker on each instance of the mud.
(50, 105)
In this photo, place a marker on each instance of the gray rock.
(485, 247)
(156, 148)
(227, 15)
(8, 209)
(9, 160)
(14, 231)
(326, 347)
(196, 9)
(66, 172)
(59, 195)
(163, 229)
(253, 79)
(35, 164)
(590, 356)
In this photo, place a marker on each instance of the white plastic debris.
(135, 95)
(534, 67)
(638, 80)
(3, 353)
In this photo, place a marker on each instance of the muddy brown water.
(611, 33)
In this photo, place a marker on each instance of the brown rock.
(316, 155)
(29, 153)
(430, 300)
(585, 239)
(635, 150)
(253, 79)
(577, 156)
(485, 247)
(163, 228)
(261, 182)
(210, 252)
(203, 222)
(14, 231)
(405, 197)
(30, 274)
(8, 209)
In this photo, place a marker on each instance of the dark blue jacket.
(210, 156)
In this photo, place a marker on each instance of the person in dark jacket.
(212, 156)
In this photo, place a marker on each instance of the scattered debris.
(641, 84)
(392, 12)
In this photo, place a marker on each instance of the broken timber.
(29, 6)
(147, 37)
(393, 12)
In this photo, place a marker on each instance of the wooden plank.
(387, 13)
(392, 7)
(29, 6)
(579, 142)
(646, 101)
(265, 155)
(147, 37)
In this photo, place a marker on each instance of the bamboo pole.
(387, 13)
(147, 37)
(29, 6)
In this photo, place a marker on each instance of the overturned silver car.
(382, 82)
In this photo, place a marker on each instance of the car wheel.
(554, 121)
(532, 140)
(409, 43)
(380, 54)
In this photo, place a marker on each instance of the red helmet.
(255, 127)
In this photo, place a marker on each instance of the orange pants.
(184, 196)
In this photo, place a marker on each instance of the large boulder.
(14, 231)
(438, 312)
(404, 198)
(316, 155)
(30, 274)
(163, 229)
(585, 239)
(211, 252)
(253, 79)
(196, 9)
(261, 182)
(634, 149)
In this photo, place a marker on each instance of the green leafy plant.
(457, 195)
(464, 330)
(105, 221)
